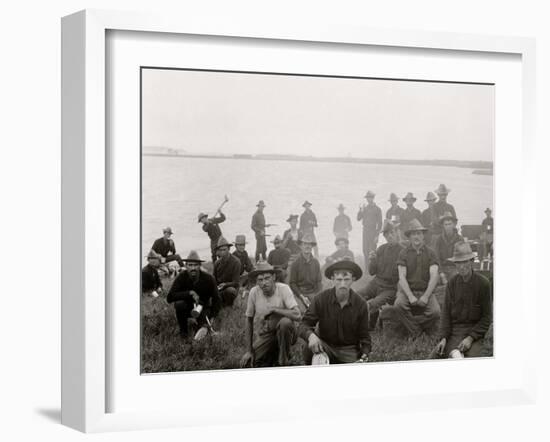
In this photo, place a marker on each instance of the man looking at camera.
(335, 327)
(467, 309)
(272, 310)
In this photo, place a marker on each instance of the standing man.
(410, 211)
(227, 271)
(308, 222)
(467, 309)
(258, 225)
(279, 257)
(212, 228)
(417, 268)
(336, 324)
(291, 237)
(305, 272)
(381, 290)
(371, 215)
(430, 220)
(444, 246)
(242, 254)
(487, 234)
(342, 223)
(442, 206)
(272, 310)
(190, 289)
(150, 279)
(395, 209)
(166, 248)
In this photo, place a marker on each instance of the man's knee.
(285, 324)
(228, 295)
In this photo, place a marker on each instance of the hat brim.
(201, 217)
(300, 242)
(254, 273)
(408, 232)
(193, 260)
(409, 199)
(337, 240)
(347, 265)
(290, 219)
(467, 257)
(445, 218)
(228, 245)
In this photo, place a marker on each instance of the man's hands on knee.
(465, 344)
(315, 344)
(440, 347)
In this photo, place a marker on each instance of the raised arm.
(218, 219)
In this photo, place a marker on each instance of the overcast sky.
(250, 113)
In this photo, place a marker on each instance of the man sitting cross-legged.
(336, 324)
(273, 309)
(418, 277)
(194, 293)
(467, 309)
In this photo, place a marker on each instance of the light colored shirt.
(259, 305)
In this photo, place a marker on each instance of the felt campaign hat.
(307, 238)
(201, 216)
(393, 197)
(462, 252)
(277, 239)
(337, 240)
(291, 217)
(262, 267)
(415, 226)
(260, 203)
(193, 257)
(167, 230)
(153, 255)
(344, 264)
(446, 216)
(409, 197)
(240, 240)
(487, 210)
(369, 194)
(442, 190)
(430, 196)
(307, 204)
(222, 242)
(341, 207)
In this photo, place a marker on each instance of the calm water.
(175, 190)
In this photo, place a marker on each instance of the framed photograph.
(242, 202)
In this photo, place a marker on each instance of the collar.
(420, 250)
(351, 299)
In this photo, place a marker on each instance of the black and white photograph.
(295, 220)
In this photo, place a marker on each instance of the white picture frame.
(86, 214)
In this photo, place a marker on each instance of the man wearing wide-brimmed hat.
(258, 225)
(487, 234)
(342, 251)
(291, 237)
(193, 288)
(418, 276)
(371, 216)
(430, 220)
(227, 271)
(445, 244)
(442, 206)
(395, 209)
(271, 310)
(308, 222)
(241, 254)
(410, 212)
(381, 290)
(212, 227)
(150, 279)
(467, 309)
(305, 272)
(342, 223)
(166, 248)
(279, 257)
(336, 324)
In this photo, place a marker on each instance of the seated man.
(242, 254)
(444, 246)
(305, 272)
(273, 309)
(166, 248)
(381, 290)
(193, 288)
(467, 309)
(342, 251)
(227, 271)
(150, 279)
(336, 324)
(418, 276)
(279, 258)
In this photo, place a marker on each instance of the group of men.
(286, 299)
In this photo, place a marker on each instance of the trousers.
(424, 317)
(272, 348)
(228, 296)
(261, 248)
(183, 313)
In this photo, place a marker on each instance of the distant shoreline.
(449, 163)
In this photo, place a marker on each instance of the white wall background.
(30, 213)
